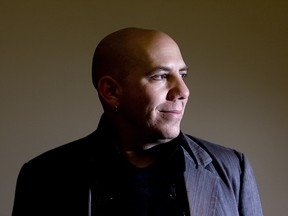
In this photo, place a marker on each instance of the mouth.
(172, 113)
(177, 112)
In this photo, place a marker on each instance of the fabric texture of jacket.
(66, 180)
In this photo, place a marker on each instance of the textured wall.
(237, 52)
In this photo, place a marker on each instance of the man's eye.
(183, 75)
(159, 76)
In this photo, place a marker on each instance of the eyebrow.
(164, 68)
(185, 68)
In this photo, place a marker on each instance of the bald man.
(138, 162)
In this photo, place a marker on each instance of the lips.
(171, 114)
(174, 110)
(178, 112)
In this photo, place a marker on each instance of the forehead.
(159, 50)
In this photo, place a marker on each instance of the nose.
(178, 90)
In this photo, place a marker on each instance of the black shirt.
(155, 190)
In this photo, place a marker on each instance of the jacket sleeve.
(249, 200)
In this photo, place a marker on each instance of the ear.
(109, 91)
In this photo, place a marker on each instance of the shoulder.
(75, 152)
(227, 163)
(217, 152)
(53, 174)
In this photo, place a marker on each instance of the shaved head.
(139, 76)
(121, 51)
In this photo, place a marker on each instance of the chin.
(170, 133)
(164, 130)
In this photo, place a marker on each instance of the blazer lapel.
(201, 184)
(202, 188)
(206, 192)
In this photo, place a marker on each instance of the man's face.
(154, 94)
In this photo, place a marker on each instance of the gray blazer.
(219, 180)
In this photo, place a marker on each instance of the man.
(138, 162)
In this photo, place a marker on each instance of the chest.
(156, 190)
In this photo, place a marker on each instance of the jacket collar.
(195, 152)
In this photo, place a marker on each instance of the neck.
(135, 146)
(136, 150)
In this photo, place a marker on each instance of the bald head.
(121, 51)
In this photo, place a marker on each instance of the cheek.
(143, 98)
(151, 98)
